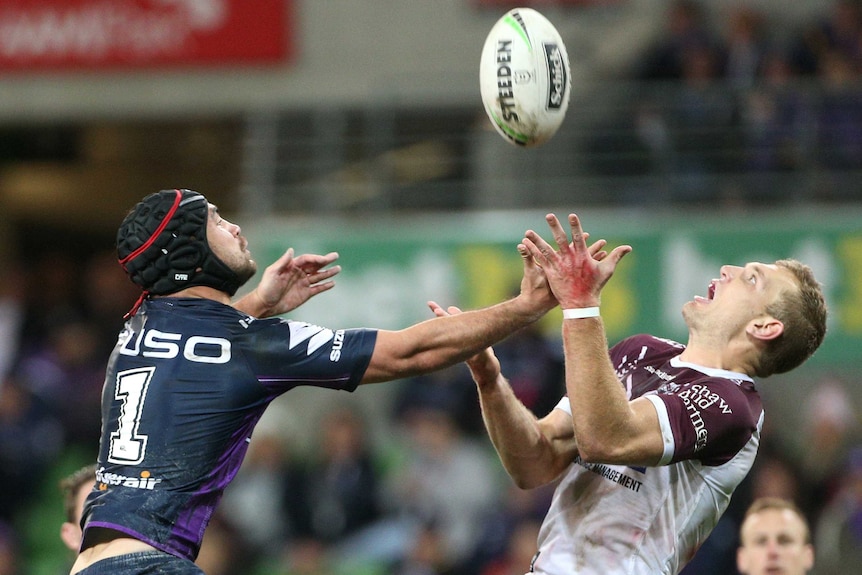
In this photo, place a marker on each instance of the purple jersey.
(186, 384)
(613, 519)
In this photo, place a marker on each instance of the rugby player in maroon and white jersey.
(653, 436)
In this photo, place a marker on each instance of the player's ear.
(70, 534)
(765, 328)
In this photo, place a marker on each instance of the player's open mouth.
(710, 294)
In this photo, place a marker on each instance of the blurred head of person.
(774, 538)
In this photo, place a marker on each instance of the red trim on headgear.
(144, 247)
(156, 233)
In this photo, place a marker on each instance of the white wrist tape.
(581, 312)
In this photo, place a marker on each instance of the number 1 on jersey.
(127, 446)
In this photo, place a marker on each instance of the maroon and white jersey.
(614, 519)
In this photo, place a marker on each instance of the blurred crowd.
(433, 499)
(735, 104)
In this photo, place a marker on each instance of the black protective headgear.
(162, 245)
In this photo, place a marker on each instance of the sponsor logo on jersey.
(145, 481)
(611, 474)
(315, 335)
(697, 399)
(663, 375)
(166, 345)
(337, 344)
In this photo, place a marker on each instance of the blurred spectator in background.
(448, 388)
(838, 533)
(447, 482)
(775, 117)
(520, 549)
(830, 428)
(67, 372)
(839, 30)
(534, 366)
(503, 527)
(703, 121)
(774, 538)
(255, 504)
(746, 46)
(342, 481)
(52, 292)
(686, 29)
(838, 128)
(31, 438)
(427, 553)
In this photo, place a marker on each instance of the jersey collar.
(711, 371)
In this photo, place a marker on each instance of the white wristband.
(581, 312)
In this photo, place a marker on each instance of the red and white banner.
(100, 34)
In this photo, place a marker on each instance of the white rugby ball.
(524, 77)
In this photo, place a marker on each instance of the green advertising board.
(391, 267)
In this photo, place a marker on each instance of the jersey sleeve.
(286, 354)
(710, 420)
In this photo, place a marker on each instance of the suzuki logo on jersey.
(337, 344)
(165, 345)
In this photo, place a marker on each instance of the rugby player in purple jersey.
(192, 373)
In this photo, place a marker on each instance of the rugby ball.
(524, 77)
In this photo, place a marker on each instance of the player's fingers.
(579, 237)
(324, 274)
(285, 260)
(437, 309)
(539, 248)
(560, 236)
(534, 251)
(596, 246)
(322, 287)
(619, 253)
(310, 263)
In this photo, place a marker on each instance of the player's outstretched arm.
(443, 341)
(533, 452)
(288, 283)
(609, 427)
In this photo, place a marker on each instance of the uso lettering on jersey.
(165, 345)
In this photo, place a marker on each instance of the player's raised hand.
(534, 284)
(291, 281)
(576, 272)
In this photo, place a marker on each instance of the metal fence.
(621, 144)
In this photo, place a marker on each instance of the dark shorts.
(143, 563)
